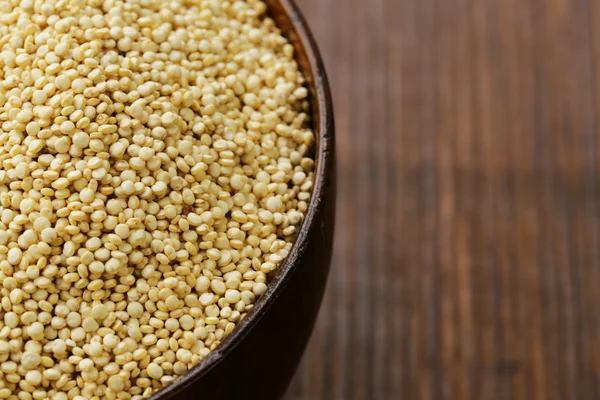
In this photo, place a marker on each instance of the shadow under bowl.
(259, 358)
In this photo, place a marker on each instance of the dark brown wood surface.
(467, 258)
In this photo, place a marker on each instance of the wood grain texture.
(466, 263)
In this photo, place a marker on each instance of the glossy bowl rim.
(322, 114)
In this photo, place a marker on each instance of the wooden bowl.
(259, 358)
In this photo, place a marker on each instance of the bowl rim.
(322, 113)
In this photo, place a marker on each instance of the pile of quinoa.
(154, 169)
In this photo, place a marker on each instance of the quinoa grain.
(155, 167)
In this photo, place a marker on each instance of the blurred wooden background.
(467, 250)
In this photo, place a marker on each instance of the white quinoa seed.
(154, 172)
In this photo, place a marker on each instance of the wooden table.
(467, 252)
